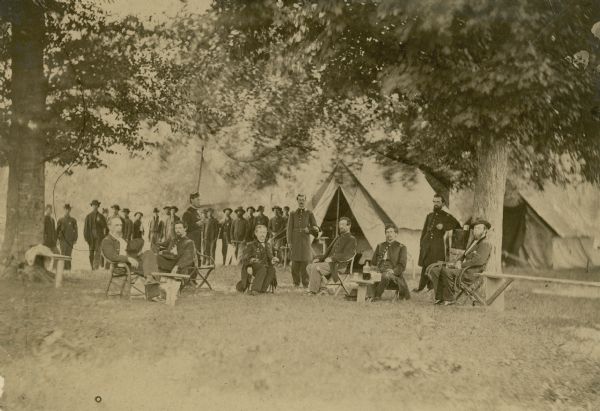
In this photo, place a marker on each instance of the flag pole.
(200, 172)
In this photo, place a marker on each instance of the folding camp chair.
(469, 288)
(199, 273)
(121, 270)
(344, 272)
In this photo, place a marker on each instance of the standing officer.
(155, 229)
(225, 233)
(49, 229)
(301, 225)
(193, 221)
(67, 234)
(432, 247)
(94, 231)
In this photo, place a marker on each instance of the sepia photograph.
(300, 205)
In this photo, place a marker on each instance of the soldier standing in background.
(239, 228)
(192, 220)
(211, 232)
(94, 231)
(138, 228)
(250, 224)
(155, 228)
(127, 225)
(49, 229)
(225, 233)
(66, 230)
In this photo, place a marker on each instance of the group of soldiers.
(249, 236)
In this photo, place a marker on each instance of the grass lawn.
(66, 349)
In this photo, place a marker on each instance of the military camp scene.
(299, 205)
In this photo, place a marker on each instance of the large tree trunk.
(489, 188)
(26, 143)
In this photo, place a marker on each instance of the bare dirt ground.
(72, 349)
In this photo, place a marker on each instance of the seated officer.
(389, 259)
(476, 255)
(341, 250)
(258, 254)
(180, 253)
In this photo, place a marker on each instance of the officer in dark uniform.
(432, 247)
(127, 225)
(301, 225)
(138, 228)
(94, 231)
(211, 232)
(251, 224)
(277, 228)
(225, 232)
(49, 229)
(67, 233)
(239, 231)
(193, 221)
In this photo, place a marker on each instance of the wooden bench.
(496, 284)
(60, 267)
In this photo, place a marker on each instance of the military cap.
(481, 221)
(67, 206)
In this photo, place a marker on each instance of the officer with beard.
(432, 239)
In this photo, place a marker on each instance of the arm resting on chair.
(110, 252)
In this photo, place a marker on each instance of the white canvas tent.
(557, 228)
(372, 197)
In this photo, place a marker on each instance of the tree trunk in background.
(26, 143)
(489, 188)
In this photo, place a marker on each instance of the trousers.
(299, 273)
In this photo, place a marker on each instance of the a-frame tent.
(554, 228)
(372, 197)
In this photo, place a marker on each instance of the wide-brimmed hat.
(194, 195)
(155, 210)
(227, 208)
(95, 203)
(138, 212)
(240, 209)
(483, 221)
(174, 208)
(166, 207)
(116, 207)
(67, 206)
(261, 208)
(250, 208)
(276, 208)
(126, 210)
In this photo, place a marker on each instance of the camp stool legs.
(200, 268)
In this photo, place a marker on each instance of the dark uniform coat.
(190, 218)
(186, 255)
(298, 240)
(66, 230)
(432, 247)
(250, 225)
(211, 230)
(239, 229)
(95, 227)
(127, 228)
(138, 230)
(225, 230)
(49, 232)
(263, 270)
(390, 256)
(341, 249)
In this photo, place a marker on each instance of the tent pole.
(337, 212)
(200, 172)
